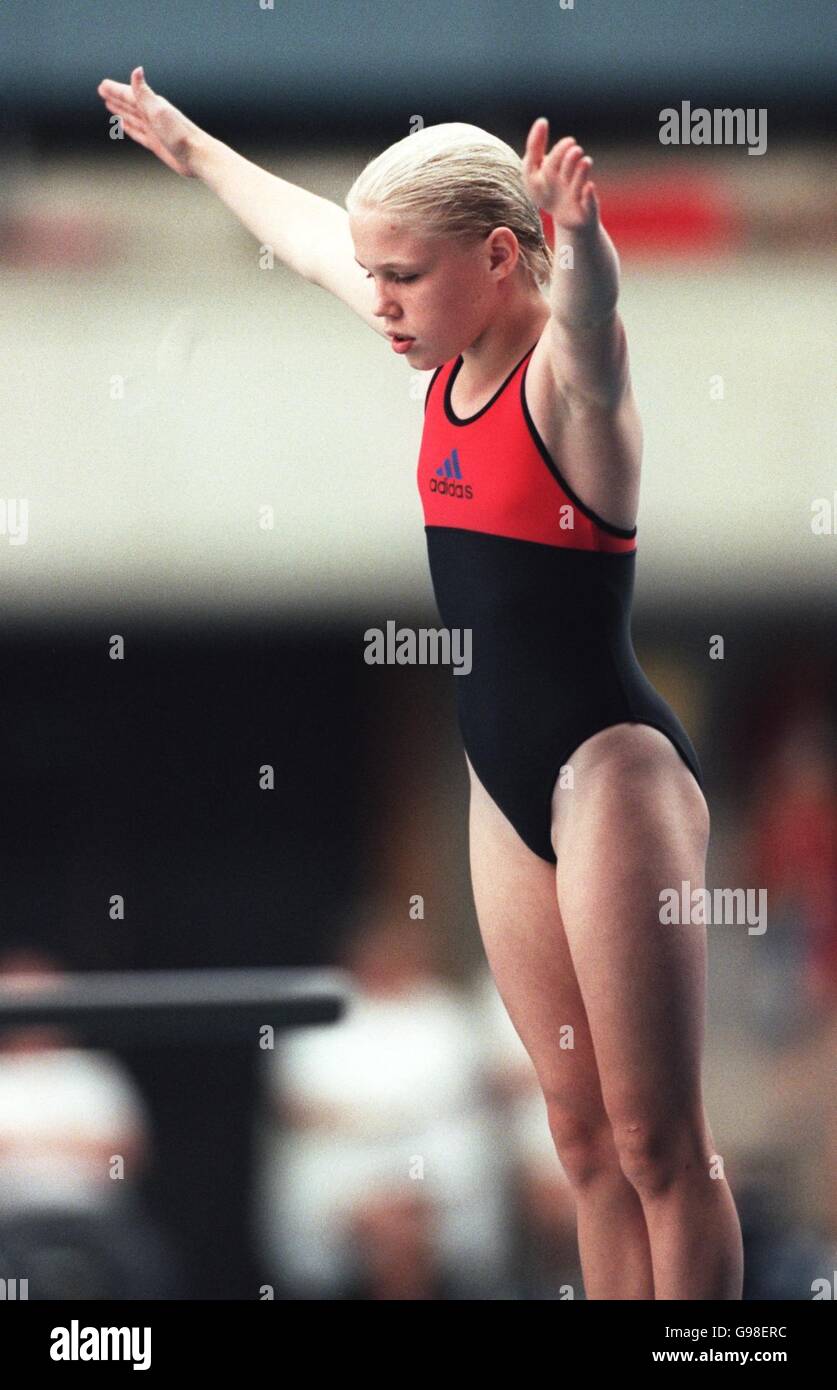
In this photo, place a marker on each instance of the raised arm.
(308, 233)
(590, 356)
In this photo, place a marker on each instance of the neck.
(504, 341)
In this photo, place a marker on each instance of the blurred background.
(218, 464)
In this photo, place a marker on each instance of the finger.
(121, 107)
(557, 155)
(139, 84)
(580, 176)
(536, 142)
(128, 120)
(108, 88)
(569, 161)
(135, 129)
(559, 149)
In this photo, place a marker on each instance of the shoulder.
(596, 443)
(554, 382)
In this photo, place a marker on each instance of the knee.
(657, 1150)
(583, 1143)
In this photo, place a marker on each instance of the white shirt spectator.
(398, 1090)
(63, 1113)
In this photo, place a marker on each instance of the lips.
(399, 337)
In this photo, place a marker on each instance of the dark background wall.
(344, 64)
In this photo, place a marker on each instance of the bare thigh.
(635, 823)
(526, 946)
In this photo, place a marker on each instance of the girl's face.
(439, 292)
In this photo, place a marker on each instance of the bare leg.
(636, 823)
(524, 940)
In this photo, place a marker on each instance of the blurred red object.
(666, 214)
(42, 238)
(792, 840)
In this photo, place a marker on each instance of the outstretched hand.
(559, 181)
(153, 122)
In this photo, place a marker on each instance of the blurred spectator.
(388, 1135)
(67, 1223)
(393, 1240)
(547, 1264)
(790, 848)
(804, 1123)
(782, 1256)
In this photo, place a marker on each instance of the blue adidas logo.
(450, 474)
(450, 468)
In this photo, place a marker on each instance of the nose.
(383, 304)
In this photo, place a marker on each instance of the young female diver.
(586, 799)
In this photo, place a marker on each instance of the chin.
(429, 366)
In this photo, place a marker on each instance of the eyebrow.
(387, 265)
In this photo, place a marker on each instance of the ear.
(502, 246)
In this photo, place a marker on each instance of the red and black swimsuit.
(546, 587)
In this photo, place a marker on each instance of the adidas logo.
(449, 478)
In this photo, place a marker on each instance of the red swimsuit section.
(493, 473)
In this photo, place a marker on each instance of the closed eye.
(399, 279)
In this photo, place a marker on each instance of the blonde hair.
(456, 180)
